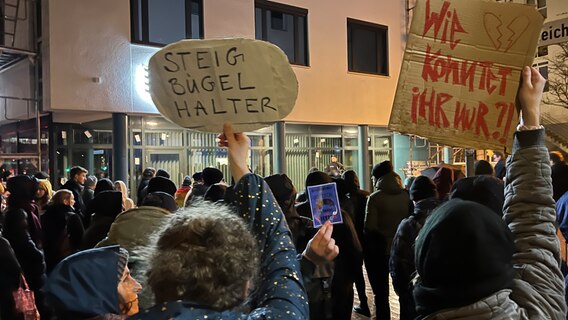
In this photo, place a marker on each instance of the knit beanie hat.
(163, 184)
(186, 182)
(149, 173)
(483, 167)
(162, 173)
(104, 184)
(463, 253)
(160, 199)
(90, 181)
(422, 188)
(486, 190)
(211, 176)
(41, 175)
(381, 169)
(317, 178)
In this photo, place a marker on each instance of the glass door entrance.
(169, 160)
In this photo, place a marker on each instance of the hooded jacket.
(537, 289)
(85, 285)
(386, 208)
(107, 205)
(401, 263)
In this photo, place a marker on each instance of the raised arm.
(280, 291)
(538, 286)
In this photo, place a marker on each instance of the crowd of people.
(481, 247)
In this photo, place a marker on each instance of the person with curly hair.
(209, 262)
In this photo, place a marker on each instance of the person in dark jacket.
(386, 208)
(285, 194)
(559, 174)
(483, 167)
(77, 178)
(500, 168)
(210, 177)
(89, 190)
(30, 258)
(103, 184)
(444, 180)
(486, 190)
(148, 174)
(358, 199)
(10, 280)
(335, 300)
(62, 229)
(203, 287)
(94, 284)
(401, 264)
(107, 205)
(161, 182)
(22, 190)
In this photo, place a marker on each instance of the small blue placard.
(324, 203)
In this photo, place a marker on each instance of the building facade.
(73, 88)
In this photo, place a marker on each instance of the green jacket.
(133, 228)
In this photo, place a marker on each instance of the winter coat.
(10, 272)
(538, 285)
(84, 285)
(401, 264)
(359, 199)
(386, 208)
(139, 195)
(63, 232)
(280, 293)
(500, 169)
(562, 214)
(107, 205)
(559, 180)
(87, 195)
(181, 193)
(29, 256)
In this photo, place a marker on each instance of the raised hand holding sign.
(201, 84)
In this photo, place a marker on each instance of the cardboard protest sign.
(461, 71)
(200, 84)
(324, 204)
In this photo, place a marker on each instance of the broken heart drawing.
(503, 35)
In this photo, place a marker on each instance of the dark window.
(284, 26)
(158, 22)
(367, 47)
(542, 51)
(543, 69)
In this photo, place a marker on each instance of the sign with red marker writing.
(461, 71)
(200, 84)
